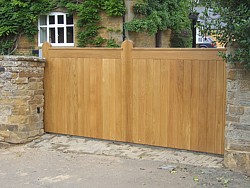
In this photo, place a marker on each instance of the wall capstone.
(237, 143)
(21, 98)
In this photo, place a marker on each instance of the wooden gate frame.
(190, 123)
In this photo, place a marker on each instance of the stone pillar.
(237, 143)
(21, 98)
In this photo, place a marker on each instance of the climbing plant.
(154, 16)
(88, 13)
(19, 18)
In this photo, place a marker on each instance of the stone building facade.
(237, 143)
(21, 98)
(112, 29)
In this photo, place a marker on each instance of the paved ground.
(65, 161)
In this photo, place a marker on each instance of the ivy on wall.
(88, 13)
(19, 18)
(155, 16)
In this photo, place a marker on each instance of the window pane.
(43, 20)
(51, 19)
(70, 35)
(70, 19)
(60, 35)
(52, 35)
(60, 19)
(43, 34)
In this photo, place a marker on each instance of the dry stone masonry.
(237, 151)
(21, 98)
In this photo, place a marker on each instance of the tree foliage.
(152, 16)
(181, 38)
(229, 21)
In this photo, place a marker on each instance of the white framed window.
(56, 28)
(199, 39)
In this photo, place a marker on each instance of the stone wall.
(25, 46)
(113, 27)
(21, 98)
(144, 40)
(237, 148)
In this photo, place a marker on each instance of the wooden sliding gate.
(163, 97)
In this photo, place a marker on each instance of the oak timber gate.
(163, 97)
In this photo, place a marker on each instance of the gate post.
(237, 142)
(126, 57)
(21, 98)
(45, 48)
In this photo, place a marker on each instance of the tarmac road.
(60, 161)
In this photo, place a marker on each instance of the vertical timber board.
(93, 97)
(156, 126)
(106, 98)
(81, 97)
(45, 50)
(171, 125)
(136, 98)
(187, 92)
(211, 111)
(178, 103)
(118, 134)
(112, 100)
(195, 76)
(149, 94)
(165, 100)
(127, 47)
(50, 95)
(48, 88)
(202, 121)
(99, 99)
(141, 102)
(71, 96)
(220, 108)
(86, 97)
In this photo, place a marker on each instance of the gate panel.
(163, 97)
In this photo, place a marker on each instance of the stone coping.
(22, 58)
